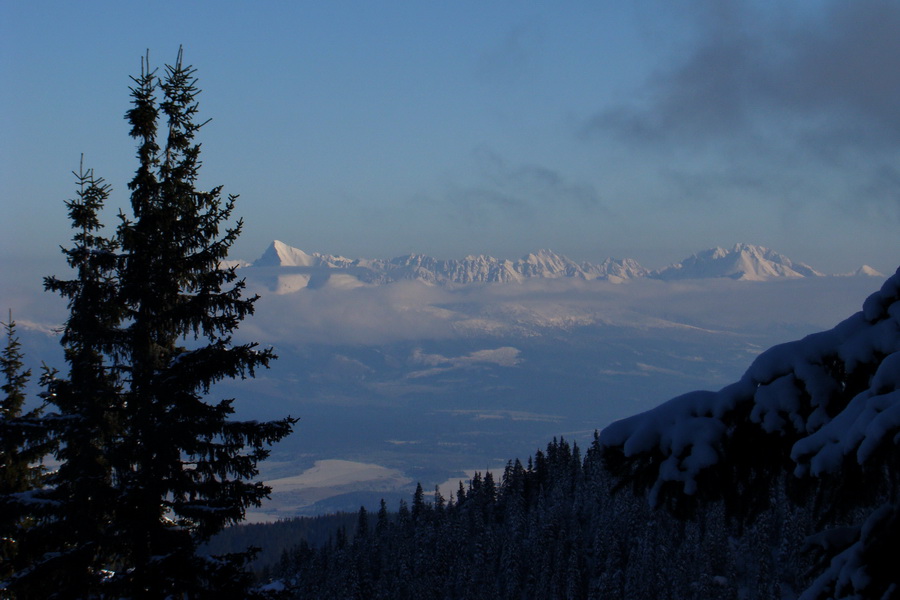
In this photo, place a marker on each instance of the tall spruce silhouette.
(24, 441)
(150, 466)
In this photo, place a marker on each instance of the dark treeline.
(273, 538)
(553, 528)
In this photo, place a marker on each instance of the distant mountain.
(472, 269)
(744, 261)
(279, 254)
(864, 271)
(487, 269)
(293, 269)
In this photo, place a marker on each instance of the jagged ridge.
(472, 269)
(742, 262)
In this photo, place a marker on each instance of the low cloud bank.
(409, 311)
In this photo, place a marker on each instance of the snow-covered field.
(326, 478)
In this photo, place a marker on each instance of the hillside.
(824, 411)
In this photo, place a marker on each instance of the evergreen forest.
(557, 527)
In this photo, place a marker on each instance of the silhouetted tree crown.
(150, 465)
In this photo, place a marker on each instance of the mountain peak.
(866, 271)
(743, 261)
(279, 254)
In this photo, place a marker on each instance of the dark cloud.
(850, 65)
(478, 204)
(747, 72)
(518, 192)
(761, 90)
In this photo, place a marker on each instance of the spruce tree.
(87, 425)
(17, 471)
(23, 444)
(69, 517)
(17, 474)
(150, 466)
(188, 467)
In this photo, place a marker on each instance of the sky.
(647, 129)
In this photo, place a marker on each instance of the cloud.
(518, 192)
(763, 90)
(746, 66)
(365, 315)
(414, 312)
(851, 64)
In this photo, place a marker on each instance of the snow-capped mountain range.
(297, 269)
(472, 269)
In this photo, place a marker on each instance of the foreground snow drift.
(827, 407)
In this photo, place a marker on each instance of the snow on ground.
(326, 478)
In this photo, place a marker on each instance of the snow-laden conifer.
(821, 414)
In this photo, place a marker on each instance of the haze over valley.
(417, 369)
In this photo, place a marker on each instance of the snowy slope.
(791, 388)
(831, 398)
(743, 261)
(325, 479)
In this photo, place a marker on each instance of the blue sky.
(648, 130)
